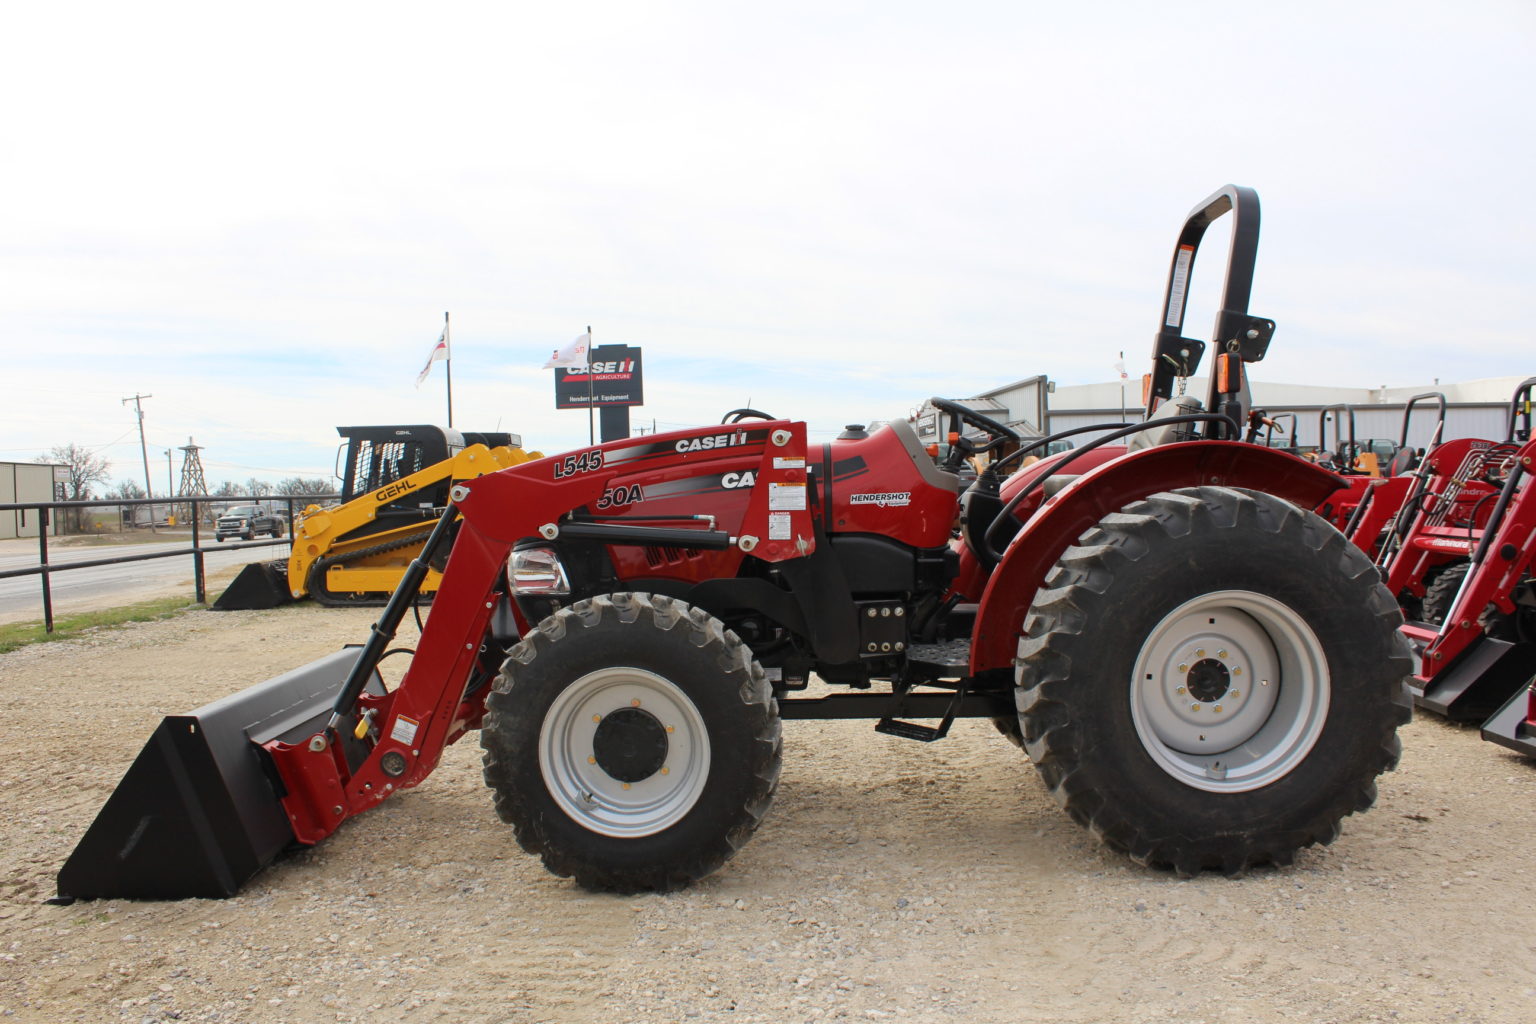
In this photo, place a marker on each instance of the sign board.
(612, 378)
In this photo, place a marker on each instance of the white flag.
(439, 351)
(574, 354)
(1120, 368)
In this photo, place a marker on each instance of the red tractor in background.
(1204, 672)
(1459, 556)
(1378, 474)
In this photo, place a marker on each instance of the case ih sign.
(613, 378)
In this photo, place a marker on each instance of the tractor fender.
(1107, 488)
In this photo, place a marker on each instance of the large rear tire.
(632, 742)
(1212, 678)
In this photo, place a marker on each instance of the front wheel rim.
(1230, 691)
(572, 757)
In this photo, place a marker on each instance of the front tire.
(1213, 678)
(632, 742)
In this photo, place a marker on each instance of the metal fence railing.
(199, 506)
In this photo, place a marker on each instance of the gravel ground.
(893, 880)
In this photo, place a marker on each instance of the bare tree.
(257, 488)
(85, 468)
(125, 490)
(305, 485)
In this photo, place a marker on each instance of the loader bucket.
(200, 810)
(259, 585)
(1514, 725)
(1480, 680)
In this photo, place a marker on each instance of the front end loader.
(1204, 672)
(1463, 558)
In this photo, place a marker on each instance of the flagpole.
(591, 433)
(448, 365)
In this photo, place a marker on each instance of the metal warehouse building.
(26, 482)
(1478, 408)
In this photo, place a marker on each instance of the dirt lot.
(893, 880)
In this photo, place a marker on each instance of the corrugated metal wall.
(1384, 421)
(21, 482)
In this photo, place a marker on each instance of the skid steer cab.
(1203, 671)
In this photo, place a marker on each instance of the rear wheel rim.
(572, 765)
(1230, 691)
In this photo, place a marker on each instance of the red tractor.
(1204, 672)
(1460, 556)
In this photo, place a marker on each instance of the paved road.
(107, 586)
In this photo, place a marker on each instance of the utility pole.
(149, 491)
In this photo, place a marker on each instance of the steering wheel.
(737, 415)
(963, 447)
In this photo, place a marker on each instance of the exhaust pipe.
(200, 810)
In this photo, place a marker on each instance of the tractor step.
(945, 658)
(912, 730)
(893, 726)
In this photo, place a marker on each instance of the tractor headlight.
(537, 572)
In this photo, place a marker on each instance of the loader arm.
(432, 707)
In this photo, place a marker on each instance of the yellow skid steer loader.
(395, 482)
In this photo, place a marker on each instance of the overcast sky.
(831, 211)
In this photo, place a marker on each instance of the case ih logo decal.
(746, 478)
(703, 444)
(885, 499)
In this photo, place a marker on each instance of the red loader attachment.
(1463, 559)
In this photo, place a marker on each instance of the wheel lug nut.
(635, 702)
(1183, 668)
(1236, 694)
(1199, 652)
(1221, 654)
(1180, 691)
(1237, 671)
(1217, 709)
(1194, 707)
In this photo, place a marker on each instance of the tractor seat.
(979, 507)
(1183, 405)
(1405, 461)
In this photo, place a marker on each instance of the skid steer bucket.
(199, 811)
(259, 585)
